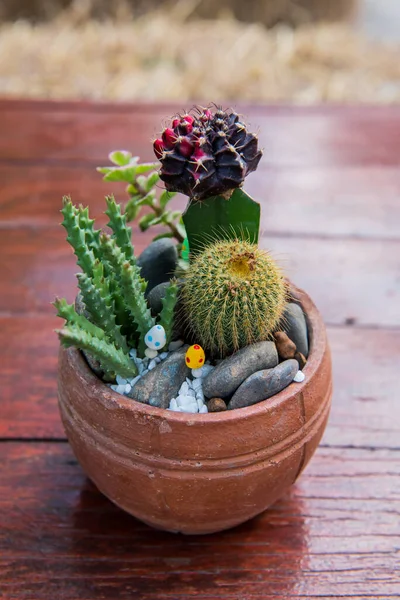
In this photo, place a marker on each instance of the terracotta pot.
(196, 473)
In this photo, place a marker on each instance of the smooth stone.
(196, 373)
(197, 384)
(301, 359)
(155, 297)
(158, 262)
(264, 384)
(94, 364)
(227, 376)
(200, 403)
(190, 408)
(184, 388)
(294, 323)
(299, 377)
(184, 400)
(216, 405)
(203, 409)
(162, 383)
(286, 348)
(175, 345)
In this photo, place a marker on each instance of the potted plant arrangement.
(194, 379)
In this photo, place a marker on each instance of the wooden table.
(330, 185)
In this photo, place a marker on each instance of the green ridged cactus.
(233, 295)
(167, 314)
(112, 291)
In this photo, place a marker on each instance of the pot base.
(196, 473)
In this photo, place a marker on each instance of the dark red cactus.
(206, 154)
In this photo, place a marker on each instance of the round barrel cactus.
(233, 295)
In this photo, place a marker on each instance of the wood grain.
(323, 202)
(330, 188)
(74, 132)
(73, 543)
(348, 279)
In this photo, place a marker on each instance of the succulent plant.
(142, 180)
(233, 295)
(112, 290)
(206, 154)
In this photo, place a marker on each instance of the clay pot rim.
(317, 340)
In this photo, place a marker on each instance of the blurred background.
(297, 51)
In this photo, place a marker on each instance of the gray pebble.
(158, 262)
(175, 345)
(232, 371)
(156, 296)
(295, 325)
(264, 384)
(162, 383)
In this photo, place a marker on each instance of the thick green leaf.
(152, 180)
(132, 210)
(160, 236)
(119, 173)
(145, 221)
(146, 167)
(120, 157)
(218, 218)
(166, 197)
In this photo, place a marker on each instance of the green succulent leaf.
(121, 232)
(120, 157)
(112, 360)
(152, 180)
(166, 318)
(166, 197)
(146, 167)
(132, 210)
(145, 222)
(160, 236)
(218, 218)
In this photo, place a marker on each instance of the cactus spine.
(233, 295)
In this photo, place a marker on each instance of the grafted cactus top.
(206, 154)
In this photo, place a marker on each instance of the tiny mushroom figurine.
(155, 339)
(195, 357)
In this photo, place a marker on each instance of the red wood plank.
(351, 281)
(335, 533)
(349, 201)
(348, 279)
(291, 135)
(365, 383)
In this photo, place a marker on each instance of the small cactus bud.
(159, 149)
(169, 138)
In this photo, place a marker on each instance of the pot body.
(196, 473)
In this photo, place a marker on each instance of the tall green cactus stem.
(67, 311)
(233, 295)
(121, 232)
(132, 287)
(92, 236)
(76, 237)
(220, 218)
(98, 301)
(111, 359)
(166, 318)
(135, 301)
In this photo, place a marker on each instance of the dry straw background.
(173, 53)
